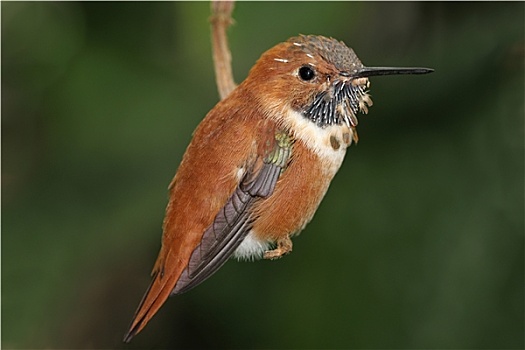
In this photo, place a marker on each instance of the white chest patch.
(329, 143)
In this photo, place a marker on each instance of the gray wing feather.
(219, 241)
(233, 223)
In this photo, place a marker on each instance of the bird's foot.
(284, 246)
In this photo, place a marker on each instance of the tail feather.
(158, 291)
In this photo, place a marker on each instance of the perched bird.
(260, 163)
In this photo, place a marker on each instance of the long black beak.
(371, 71)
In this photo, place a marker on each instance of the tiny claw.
(284, 246)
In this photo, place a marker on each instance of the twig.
(220, 21)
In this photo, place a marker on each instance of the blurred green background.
(419, 242)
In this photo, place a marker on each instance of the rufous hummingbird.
(260, 163)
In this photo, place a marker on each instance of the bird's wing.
(188, 258)
(232, 222)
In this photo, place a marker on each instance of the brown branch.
(220, 21)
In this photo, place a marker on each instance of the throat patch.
(339, 104)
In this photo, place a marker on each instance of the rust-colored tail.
(158, 291)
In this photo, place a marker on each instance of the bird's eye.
(306, 73)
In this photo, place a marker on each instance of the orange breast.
(297, 195)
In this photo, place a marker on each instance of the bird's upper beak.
(371, 71)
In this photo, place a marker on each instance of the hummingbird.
(260, 163)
